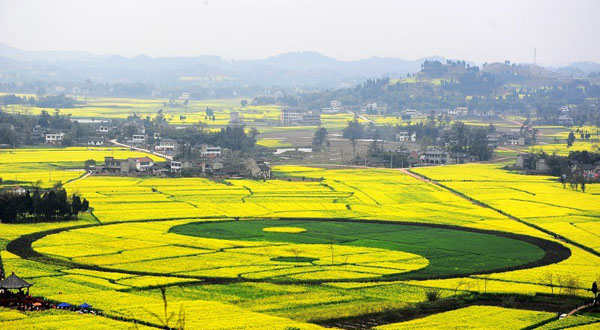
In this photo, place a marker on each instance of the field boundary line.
(512, 217)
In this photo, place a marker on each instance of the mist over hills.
(290, 69)
(304, 69)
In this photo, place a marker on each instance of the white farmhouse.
(54, 138)
(405, 137)
(210, 151)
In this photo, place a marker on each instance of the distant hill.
(290, 69)
(579, 69)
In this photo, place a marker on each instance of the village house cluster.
(534, 163)
(210, 161)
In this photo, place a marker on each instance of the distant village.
(182, 159)
(209, 163)
(189, 153)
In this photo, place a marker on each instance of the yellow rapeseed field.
(476, 318)
(136, 215)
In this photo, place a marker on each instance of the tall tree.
(353, 132)
(570, 139)
(319, 138)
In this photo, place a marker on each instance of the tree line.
(49, 101)
(568, 169)
(40, 206)
(17, 129)
(456, 137)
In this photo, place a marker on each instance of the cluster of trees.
(50, 101)
(561, 165)
(457, 137)
(397, 158)
(568, 168)
(56, 121)
(17, 129)
(234, 138)
(210, 114)
(435, 68)
(353, 132)
(582, 134)
(467, 139)
(49, 206)
(13, 129)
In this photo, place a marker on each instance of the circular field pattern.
(324, 250)
(448, 251)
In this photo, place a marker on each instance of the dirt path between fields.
(140, 149)
(79, 178)
(481, 204)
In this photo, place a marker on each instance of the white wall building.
(166, 145)
(54, 138)
(210, 151)
(176, 166)
(289, 116)
(405, 137)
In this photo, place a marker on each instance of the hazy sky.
(484, 30)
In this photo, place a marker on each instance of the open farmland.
(23, 166)
(532, 199)
(264, 117)
(55, 319)
(299, 165)
(563, 150)
(436, 245)
(250, 250)
(223, 246)
(477, 317)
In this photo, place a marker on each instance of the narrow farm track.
(140, 149)
(478, 203)
(79, 178)
(512, 121)
(580, 308)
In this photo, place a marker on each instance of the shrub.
(433, 294)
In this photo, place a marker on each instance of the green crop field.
(442, 248)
